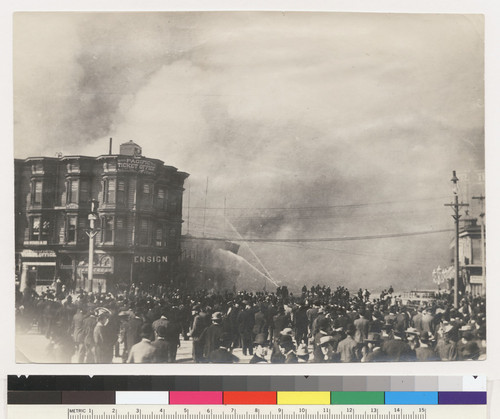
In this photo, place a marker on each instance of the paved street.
(35, 348)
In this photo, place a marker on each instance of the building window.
(120, 230)
(44, 234)
(72, 192)
(108, 229)
(159, 236)
(147, 193)
(172, 202)
(37, 168)
(160, 198)
(84, 191)
(109, 191)
(144, 232)
(35, 229)
(71, 229)
(120, 192)
(37, 192)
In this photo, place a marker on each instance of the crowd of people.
(149, 324)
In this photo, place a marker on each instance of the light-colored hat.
(287, 331)
(325, 339)
(302, 350)
(411, 331)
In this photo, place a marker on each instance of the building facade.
(138, 227)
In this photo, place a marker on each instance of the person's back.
(362, 326)
(397, 350)
(161, 350)
(347, 349)
(141, 352)
(425, 353)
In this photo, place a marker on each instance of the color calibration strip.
(253, 383)
(248, 397)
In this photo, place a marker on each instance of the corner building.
(138, 228)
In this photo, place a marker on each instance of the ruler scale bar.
(246, 412)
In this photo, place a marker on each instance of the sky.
(303, 125)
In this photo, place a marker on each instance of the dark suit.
(246, 321)
(164, 351)
(210, 338)
(222, 356)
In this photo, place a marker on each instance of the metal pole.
(456, 216)
(92, 218)
(92, 233)
(483, 255)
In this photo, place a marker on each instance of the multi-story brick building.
(138, 227)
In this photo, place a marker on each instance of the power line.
(325, 239)
(322, 207)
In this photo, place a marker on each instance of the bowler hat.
(260, 339)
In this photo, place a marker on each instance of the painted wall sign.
(136, 165)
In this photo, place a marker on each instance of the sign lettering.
(150, 259)
(136, 165)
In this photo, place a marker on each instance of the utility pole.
(481, 199)
(456, 216)
(92, 233)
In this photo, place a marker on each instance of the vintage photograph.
(249, 187)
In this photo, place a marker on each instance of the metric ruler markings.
(350, 413)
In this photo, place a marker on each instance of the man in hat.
(210, 338)
(287, 348)
(200, 323)
(161, 347)
(143, 351)
(302, 353)
(246, 320)
(397, 349)
(468, 349)
(260, 349)
(412, 338)
(170, 334)
(428, 324)
(348, 347)
(324, 330)
(361, 324)
(425, 352)
(132, 332)
(326, 347)
(223, 355)
(446, 348)
(374, 352)
(103, 344)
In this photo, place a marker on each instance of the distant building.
(139, 219)
(470, 249)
